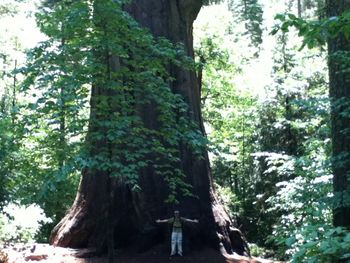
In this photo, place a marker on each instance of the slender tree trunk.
(62, 123)
(243, 192)
(340, 120)
(299, 9)
(14, 95)
(134, 213)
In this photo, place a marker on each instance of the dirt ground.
(44, 253)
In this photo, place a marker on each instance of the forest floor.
(44, 253)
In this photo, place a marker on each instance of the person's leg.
(179, 243)
(173, 243)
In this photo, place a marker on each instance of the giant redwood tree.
(144, 141)
(339, 81)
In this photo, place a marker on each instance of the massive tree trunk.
(108, 205)
(340, 120)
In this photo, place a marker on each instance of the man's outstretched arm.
(189, 220)
(163, 221)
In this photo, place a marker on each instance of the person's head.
(177, 213)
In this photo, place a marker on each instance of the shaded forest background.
(265, 104)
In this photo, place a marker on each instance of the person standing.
(176, 234)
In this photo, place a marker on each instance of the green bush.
(20, 223)
(257, 251)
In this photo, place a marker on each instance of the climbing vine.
(96, 46)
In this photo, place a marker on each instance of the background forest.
(265, 103)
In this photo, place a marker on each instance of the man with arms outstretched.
(176, 235)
